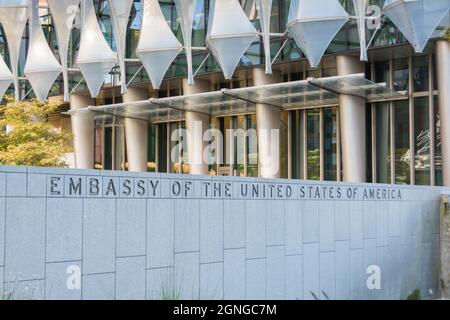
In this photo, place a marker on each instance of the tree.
(447, 33)
(27, 138)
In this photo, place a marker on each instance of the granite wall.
(69, 234)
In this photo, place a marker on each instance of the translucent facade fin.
(186, 14)
(120, 10)
(416, 19)
(6, 77)
(230, 34)
(158, 46)
(95, 58)
(63, 16)
(41, 68)
(314, 24)
(13, 17)
(360, 11)
(264, 8)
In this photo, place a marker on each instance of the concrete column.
(136, 133)
(268, 121)
(352, 112)
(196, 125)
(443, 82)
(83, 127)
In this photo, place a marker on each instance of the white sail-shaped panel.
(313, 25)
(158, 46)
(264, 8)
(95, 58)
(230, 34)
(41, 67)
(360, 11)
(121, 10)
(416, 19)
(6, 77)
(186, 14)
(13, 17)
(63, 16)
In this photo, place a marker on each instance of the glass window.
(151, 149)
(421, 73)
(313, 141)
(382, 72)
(284, 146)
(438, 155)
(330, 144)
(98, 162)
(175, 155)
(252, 170)
(383, 138)
(401, 74)
(239, 146)
(184, 151)
(162, 147)
(119, 149)
(297, 146)
(422, 141)
(402, 149)
(108, 150)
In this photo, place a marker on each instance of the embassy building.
(332, 90)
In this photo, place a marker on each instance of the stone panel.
(25, 239)
(130, 278)
(211, 231)
(99, 236)
(64, 229)
(131, 227)
(99, 287)
(63, 281)
(234, 224)
(234, 274)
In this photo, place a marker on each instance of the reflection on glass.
(162, 147)
(402, 150)
(151, 149)
(383, 143)
(438, 155)
(422, 141)
(119, 150)
(98, 152)
(239, 146)
(420, 73)
(401, 74)
(313, 144)
(252, 170)
(284, 146)
(108, 155)
(330, 144)
(233, 146)
(175, 156)
(297, 147)
(184, 151)
(382, 72)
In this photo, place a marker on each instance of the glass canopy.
(285, 96)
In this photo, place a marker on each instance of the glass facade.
(403, 137)
(407, 132)
(346, 39)
(314, 144)
(110, 146)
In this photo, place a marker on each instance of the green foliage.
(415, 295)
(447, 33)
(314, 164)
(27, 138)
(170, 293)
